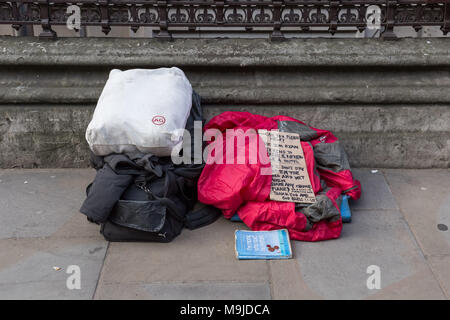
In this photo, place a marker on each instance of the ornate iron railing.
(273, 16)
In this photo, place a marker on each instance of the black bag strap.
(202, 217)
(195, 218)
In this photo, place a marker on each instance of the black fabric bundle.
(142, 197)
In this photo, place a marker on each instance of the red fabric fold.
(241, 188)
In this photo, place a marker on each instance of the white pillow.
(141, 110)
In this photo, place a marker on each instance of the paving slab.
(27, 267)
(421, 285)
(424, 200)
(375, 191)
(41, 228)
(35, 203)
(337, 269)
(441, 268)
(287, 281)
(205, 254)
(206, 290)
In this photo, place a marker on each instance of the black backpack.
(159, 202)
(157, 209)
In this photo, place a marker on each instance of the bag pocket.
(115, 233)
(148, 216)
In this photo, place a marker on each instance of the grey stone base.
(373, 136)
(389, 102)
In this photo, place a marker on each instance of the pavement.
(400, 225)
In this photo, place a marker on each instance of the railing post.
(248, 17)
(388, 33)
(417, 26)
(163, 33)
(104, 16)
(276, 18)
(47, 32)
(304, 19)
(134, 16)
(220, 15)
(16, 16)
(334, 5)
(446, 27)
(191, 14)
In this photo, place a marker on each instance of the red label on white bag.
(158, 120)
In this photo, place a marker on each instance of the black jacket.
(118, 173)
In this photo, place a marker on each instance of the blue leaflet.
(273, 244)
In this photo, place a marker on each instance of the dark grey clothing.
(104, 193)
(116, 172)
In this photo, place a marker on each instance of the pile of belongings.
(241, 188)
(138, 193)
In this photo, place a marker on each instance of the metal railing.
(271, 16)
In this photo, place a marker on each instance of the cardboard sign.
(290, 179)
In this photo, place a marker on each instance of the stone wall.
(389, 102)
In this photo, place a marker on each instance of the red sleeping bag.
(232, 179)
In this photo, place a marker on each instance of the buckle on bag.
(143, 186)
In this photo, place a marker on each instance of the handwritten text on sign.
(290, 179)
